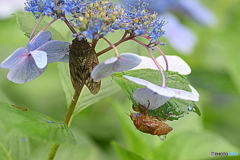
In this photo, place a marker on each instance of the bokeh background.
(105, 126)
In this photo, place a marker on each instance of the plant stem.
(67, 120)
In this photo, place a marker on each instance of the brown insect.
(147, 124)
(19, 107)
(82, 60)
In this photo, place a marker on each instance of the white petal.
(146, 63)
(194, 91)
(185, 95)
(175, 63)
(40, 58)
(164, 91)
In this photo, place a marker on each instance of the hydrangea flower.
(153, 96)
(124, 62)
(26, 64)
(175, 63)
(178, 35)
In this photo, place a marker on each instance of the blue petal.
(55, 50)
(179, 36)
(40, 58)
(199, 12)
(42, 37)
(14, 58)
(126, 61)
(25, 71)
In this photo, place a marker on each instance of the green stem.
(67, 120)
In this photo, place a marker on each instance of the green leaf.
(124, 153)
(85, 149)
(27, 22)
(23, 122)
(176, 107)
(192, 145)
(108, 87)
(13, 147)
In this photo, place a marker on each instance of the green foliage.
(27, 123)
(86, 98)
(215, 74)
(27, 22)
(177, 107)
(13, 147)
(184, 142)
(124, 153)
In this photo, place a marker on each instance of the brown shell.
(147, 124)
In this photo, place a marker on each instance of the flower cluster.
(100, 18)
(53, 8)
(97, 18)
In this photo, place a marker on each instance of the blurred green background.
(103, 126)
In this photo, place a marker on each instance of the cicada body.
(82, 60)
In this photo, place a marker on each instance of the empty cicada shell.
(152, 125)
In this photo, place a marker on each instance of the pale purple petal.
(42, 38)
(126, 61)
(199, 12)
(149, 99)
(55, 50)
(65, 59)
(14, 58)
(111, 60)
(40, 58)
(101, 71)
(175, 63)
(179, 36)
(25, 71)
(185, 95)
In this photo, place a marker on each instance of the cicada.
(152, 125)
(82, 60)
